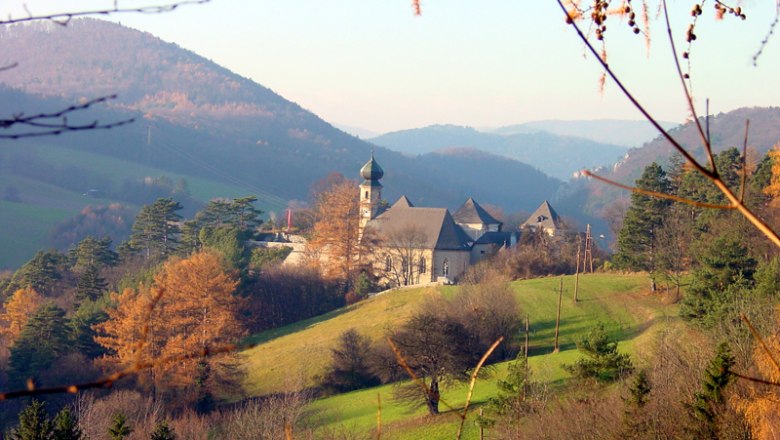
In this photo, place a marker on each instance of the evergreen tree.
(66, 426)
(92, 251)
(636, 241)
(163, 432)
(348, 369)
(602, 360)
(42, 271)
(89, 314)
(33, 423)
(708, 402)
(155, 229)
(634, 420)
(725, 271)
(91, 285)
(43, 339)
(119, 428)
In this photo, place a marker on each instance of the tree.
(193, 310)
(91, 285)
(33, 423)
(602, 360)
(119, 428)
(349, 367)
(708, 402)
(43, 339)
(18, 308)
(636, 243)
(42, 271)
(155, 228)
(93, 252)
(66, 426)
(404, 250)
(336, 233)
(439, 351)
(82, 328)
(163, 432)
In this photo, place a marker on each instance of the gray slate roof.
(497, 238)
(544, 216)
(471, 212)
(434, 226)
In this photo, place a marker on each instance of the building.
(415, 245)
(545, 219)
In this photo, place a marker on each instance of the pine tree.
(636, 241)
(708, 401)
(43, 339)
(163, 432)
(91, 285)
(82, 322)
(66, 426)
(92, 251)
(33, 423)
(42, 271)
(119, 428)
(155, 228)
(602, 360)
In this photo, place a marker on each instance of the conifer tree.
(155, 229)
(163, 432)
(42, 271)
(92, 251)
(33, 423)
(43, 339)
(602, 360)
(66, 426)
(119, 428)
(708, 401)
(636, 241)
(91, 285)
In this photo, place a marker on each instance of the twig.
(760, 340)
(755, 379)
(41, 120)
(657, 194)
(64, 18)
(474, 382)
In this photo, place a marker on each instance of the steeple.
(370, 191)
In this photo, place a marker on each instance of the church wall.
(457, 261)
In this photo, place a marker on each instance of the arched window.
(366, 197)
(445, 267)
(421, 267)
(388, 263)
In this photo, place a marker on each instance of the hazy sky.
(374, 64)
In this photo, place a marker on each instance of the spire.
(371, 171)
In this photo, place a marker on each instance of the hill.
(558, 156)
(616, 300)
(628, 134)
(727, 130)
(199, 123)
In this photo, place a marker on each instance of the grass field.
(300, 351)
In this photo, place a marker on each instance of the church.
(415, 245)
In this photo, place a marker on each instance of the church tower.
(370, 191)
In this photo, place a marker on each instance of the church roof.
(422, 228)
(471, 212)
(496, 237)
(544, 216)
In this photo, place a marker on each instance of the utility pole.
(526, 336)
(558, 317)
(588, 249)
(577, 273)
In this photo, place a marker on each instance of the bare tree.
(401, 255)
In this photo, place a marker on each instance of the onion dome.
(371, 171)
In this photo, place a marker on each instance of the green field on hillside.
(300, 351)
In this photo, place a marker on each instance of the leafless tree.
(401, 255)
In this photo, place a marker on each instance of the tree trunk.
(432, 398)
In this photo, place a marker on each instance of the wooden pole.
(558, 317)
(526, 336)
(588, 249)
(577, 273)
(481, 428)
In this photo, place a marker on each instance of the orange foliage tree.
(23, 303)
(335, 236)
(190, 308)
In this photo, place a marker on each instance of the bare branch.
(57, 122)
(474, 382)
(64, 18)
(768, 35)
(755, 379)
(657, 194)
(760, 340)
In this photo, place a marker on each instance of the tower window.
(366, 197)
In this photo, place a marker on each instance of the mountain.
(200, 131)
(558, 156)
(609, 131)
(727, 130)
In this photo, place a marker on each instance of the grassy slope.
(615, 300)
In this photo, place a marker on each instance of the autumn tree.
(189, 309)
(336, 235)
(18, 308)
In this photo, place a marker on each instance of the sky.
(375, 65)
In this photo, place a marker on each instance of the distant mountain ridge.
(626, 133)
(558, 156)
(198, 121)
